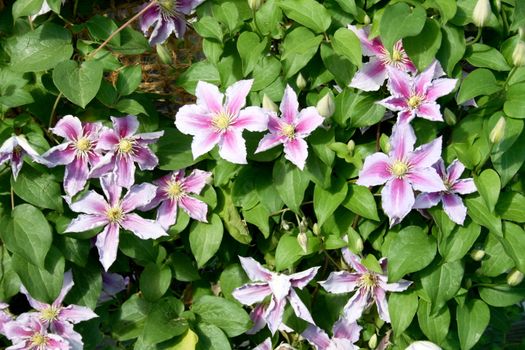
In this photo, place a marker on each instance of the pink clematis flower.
(213, 123)
(173, 191)
(13, 149)
(124, 148)
(77, 152)
(291, 129)
(345, 335)
(403, 170)
(416, 96)
(373, 73)
(168, 17)
(27, 332)
(114, 214)
(58, 318)
(371, 287)
(452, 203)
(281, 289)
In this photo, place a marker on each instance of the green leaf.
(456, 245)
(40, 49)
(131, 318)
(258, 215)
(496, 260)
(515, 104)
(202, 70)
(403, 246)
(511, 206)
(130, 106)
(155, 281)
(232, 220)
(265, 72)
(23, 8)
(508, 163)
(361, 110)
(361, 201)
(205, 239)
(478, 82)
(132, 42)
(129, 79)
(211, 337)
(164, 322)
(289, 251)
(478, 211)
(402, 308)
(435, 327)
(472, 317)
(250, 49)
(309, 13)
(346, 43)
(186, 341)
(9, 283)
(174, 150)
(101, 28)
(232, 277)
(502, 295)
(299, 46)
(442, 282)
(399, 21)
(342, 69)
(38, 189)
(327, 201)
(290, 182)
(481, 55)
(88, 285)
(208, 27)
(184, 268)
(489, 187)
(514, 244)
(79, 84)
(268, 16)
(452, 47)
(225, 314)
(423, 47)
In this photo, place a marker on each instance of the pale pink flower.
(291, 129)
(373, 73)
(403, 170)
(416, 96)
(281, 289)
(212, 122)
(114, 214)
(345, 334)
(27, 332)
(452, 203)
(371, 287)
(14, 149)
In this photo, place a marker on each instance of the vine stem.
(53, 110)
(131, 20)
(12, 199)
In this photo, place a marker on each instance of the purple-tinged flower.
(77, 151)
(416, 96)
(5, 317)
(265, 345)
(452, 203)
(124, 148)
(373, 73)
(173, 191)
(114, 214)
(13, 149)
(371, 287)
(59, 318)
(403, 170)
(291, 129)
(281, 289)
(112, 284)
(27, 332)
(345, 334)
(212, 122)
(168, 17)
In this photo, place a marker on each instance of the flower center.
(414, 101)
(38, 339)
(289, 131)
(399, 169)
(125, 146)
(221, 121)
(49, 314)
(83, 144)
(168, 5)
(17, 150)
(115, 214)
(396, 56)
(175, 190)
(448, 185)
(369, 280)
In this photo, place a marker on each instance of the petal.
(252, 293)
(60, 155)
(400, 286)
(440, 87)
(265, 345)
(399, 82)
(148, 137)
(269, 141)
(91, 203)
(301, 279)
(196, 181)
(353, 260)
(193, 120)
(167, 213)
(341, 282)
(453, 206)
(145, 158)
(236, 95)
(179, 24)
(427, 200)
(111, 189)
(251, 118)
(316, 336)
(108, 140)
(402, 141)
(195, 208)
(423, 81)
(406, 116)
(394, 103)
(346, 330)
(274, 314)
(454, 170)
(375, 171)
(370, 77)
(425, 180)
(209, 96)
(382, 306)
(67, 284)
(430, 111)
(254, 270)
(107, 245)
(257, 317)
(35, 304)
(125, 171)
(16, 330)
(397, 199)
(149, 17)
(440, 168)
(299, 308)
(22, 142)
(86, 222)
(142, 228)
(162, 31)
(68, 127)
(307, 121)
(355, 306)
(289, 105)
(232, 147)
(76, 313)
(125, 126)
(105, 165)
(370, 47)
(296, 151)
(426, 155)
(204, 142)
(138, 196)
(76, 176)
(464, 186)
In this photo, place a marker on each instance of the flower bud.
(366, 20)
(514, 277)
(164, 54)
(358, 245)
(521, 32)
(423, 345)
(372, 342)
(302, 239)
(477, 254)
(518, 55)
(285, 225)
(316, 230)
(497, 3)
(326, 106)
(481, 13)
(300, 81)
(350, 146)
(269, 105)
(450, 117)
(254, 4)
(497, 133)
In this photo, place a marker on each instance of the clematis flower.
(114, 214)
(403, 170)
(291, 129)
(58, 318)
(281, 289)
(371, 287)
(345, 335)
(265, 345)
(28, 333)
(168, 17)
(452, 203)
(373, 73)
(14, 149)
(77, 152)
(124, 148)
(112, 284)
(5, 317)
(212, 122)
(416, 96)
(173, 191)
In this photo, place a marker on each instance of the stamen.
(415, 101)
(399, 169)
(83, 144)
(125, 146)
(288, 130)
(49, 314)
(221, 121)
(368, 280)
(38, 339)
(115, 214)
(175, 190)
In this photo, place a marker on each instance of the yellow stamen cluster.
(369, 280)
(125, 146)
(288, 130)
(399, 169)
(115, 214)
(175, 190)
(221, 121)
(414, 101)
(396, 56)
(168, 5)
(49, 314)
(38, 339)
(83, 144)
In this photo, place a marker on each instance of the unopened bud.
(358, 245)
(366, 20)
(498, 132)
(285, 225)
(350, 146)
(269, 105)
(300, 81)
(518, 55)
(164, 54)
(521, 32)
(326, 106)
(477, 254)
(450, 117)
(514, 277)
(481, 13)
(498, 5)
(316, 230)
(302, 239)
(254, 4)
(468, 283)
(372, 343)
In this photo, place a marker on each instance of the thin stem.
(53, 110)
(12, 199)
(512, 71)
(478, 36)
(131, 20)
